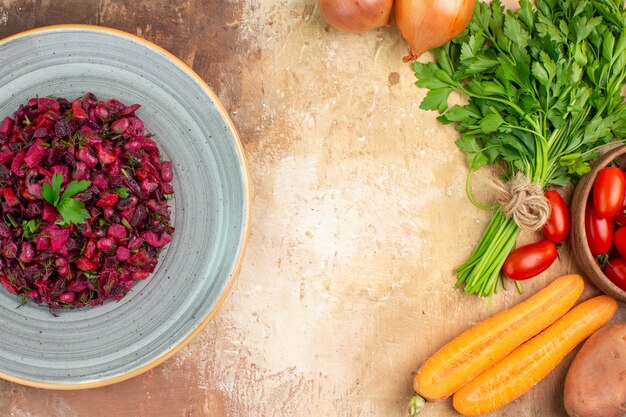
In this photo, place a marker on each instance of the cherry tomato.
(599, 231)
(530, 260)
(608, 191)
(620, 217)
(615, 270)
(557, 227)
(619, 241)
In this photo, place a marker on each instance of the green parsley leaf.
(72, 211)
(52, 193)
(122, 192)
(29, 228)
(74, 188)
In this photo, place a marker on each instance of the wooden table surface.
(359, 218)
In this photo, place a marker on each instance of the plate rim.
(247, 206)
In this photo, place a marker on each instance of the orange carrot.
(530, 363)
(483, 345)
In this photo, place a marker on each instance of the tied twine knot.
(524, 201)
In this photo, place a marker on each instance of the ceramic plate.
(115, 341)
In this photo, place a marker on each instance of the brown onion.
(428, 24)
(356, 15)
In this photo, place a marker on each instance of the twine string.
(523, 201)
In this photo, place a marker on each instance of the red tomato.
(615, 270)
(619, 241)
(608, 191)
(530, 260)
(599, 231)
(620, 217)
(557, 227)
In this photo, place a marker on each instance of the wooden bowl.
(578, 236)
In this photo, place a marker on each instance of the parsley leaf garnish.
(72, 211)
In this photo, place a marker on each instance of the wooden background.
(359, 219)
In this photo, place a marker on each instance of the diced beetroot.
(10, 197)
(48, 103)
(102, 113)
(122, 254)
(45, 121)
(64, 170)
(58, 237)
(28, 253)
(135, 243)
(49, 213)
(133, 146)
(9, 250)
(85, 156)
(77, 110)
(34, 192)
(167, 173)
(5, 126)
(81, 171)
(35, 153)
(77, 285)
(129, 110)
(100, 181)
(136, 126)
(84, 229)
(61, 266)
(140, 259)
(42, 243)
(140, 274)
(86, 264)
(148, 186)
(42, 171)
(16, 165)
(117, 232)
(90, 249)
(88, 133)
(7, 284)
(114, 169)
(152, 205)
(164, 239)
(106, 244)
(120, 126)
(128, 213)
(149, 145)
(110, 214)
(107, 200)
(6, 157)
(154, 240)
(104, 156)
(141, 173)
(34, 295)
(67, 297)
(99, 232)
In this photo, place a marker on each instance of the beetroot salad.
(84, 201)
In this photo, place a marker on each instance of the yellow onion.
(356, 15)
(428, 24)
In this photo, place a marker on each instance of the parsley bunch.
(543, 88)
